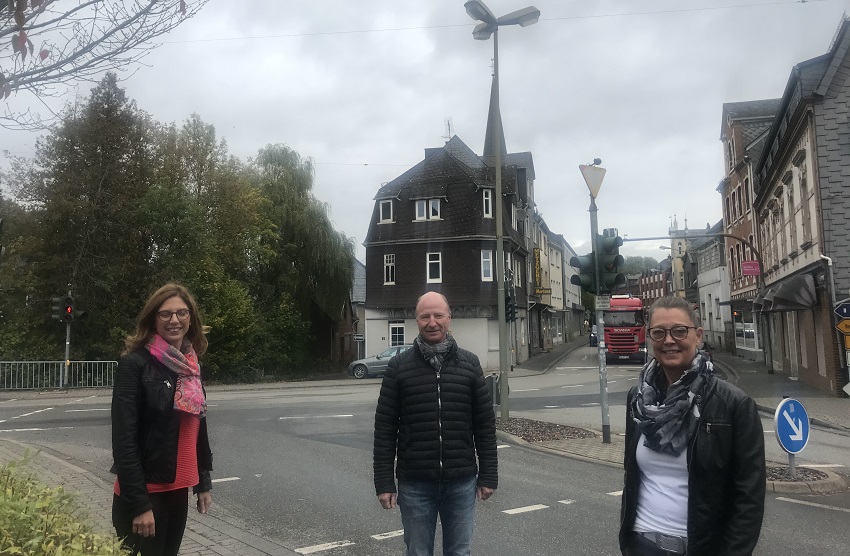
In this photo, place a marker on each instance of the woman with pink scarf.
(159, 428)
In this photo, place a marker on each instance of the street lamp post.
(489, 25)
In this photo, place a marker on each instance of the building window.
(396, 333)
(486, 265)
(513, 217)
(435, 267)
(428, 209)
(386, 211)
(487, 196)
(727, 215)
(740, 200)
(389, 269)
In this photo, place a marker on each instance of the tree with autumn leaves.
(116, 204)
(47, 45)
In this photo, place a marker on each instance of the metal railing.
(38, 375)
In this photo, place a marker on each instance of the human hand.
(144, 524)
(204, 501)
(484, 493)
(387, 500)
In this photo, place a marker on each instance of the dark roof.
(358, 287)
(759, 109)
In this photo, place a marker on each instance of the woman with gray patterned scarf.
(694, 457)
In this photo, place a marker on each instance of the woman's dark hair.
(671, 302)
(146, 321)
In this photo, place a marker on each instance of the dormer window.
(386, 212)
(428, 209)
(487, 198)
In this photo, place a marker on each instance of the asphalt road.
(296, 463)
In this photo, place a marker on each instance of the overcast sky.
(363, 87)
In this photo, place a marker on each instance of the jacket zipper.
(440, 419)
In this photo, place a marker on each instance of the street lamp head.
(523, 18)
(483, 31)
(596, 162)
(479, 11)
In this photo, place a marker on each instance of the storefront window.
(745, 329)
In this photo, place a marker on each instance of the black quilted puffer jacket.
(434, 422)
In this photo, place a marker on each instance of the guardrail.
(38, 375)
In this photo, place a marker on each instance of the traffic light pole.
(600, 327)
(63, 380)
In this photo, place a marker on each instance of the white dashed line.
(322, 547)
(525, 509)
(814, 504)
(573, 386)
(551, 406)
(227, 479)
(526, 390)
(86, 410)
(35, 429)
(391, 534)
(566, 502)
(500, 446)
(32, 413)
(615, 493)
(589, 404)
(315, 417)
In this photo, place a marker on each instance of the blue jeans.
(421, 501)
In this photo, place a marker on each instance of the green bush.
(36, 520)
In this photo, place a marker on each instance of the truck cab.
(625, 329)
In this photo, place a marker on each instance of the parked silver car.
(376, 365)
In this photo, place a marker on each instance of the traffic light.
(586, 272)
(610, 260)
(57, 308)
(510, 306)
(67, 309)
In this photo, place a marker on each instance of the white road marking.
(391, 534)
(32, 413)
(820, 464)
(615, 493)
(551, 406)
(35, 429)
(814, 504)
(525, 509)
(633, 378)
(589, 404)
(500, 446)
(227, 479)
(86, 410)
(526, 390)
(768, 431)
(12, 400)
(573, 386)
(574, 368)
(322, 547)
(566, 502)
(80, 400)
(315, 417)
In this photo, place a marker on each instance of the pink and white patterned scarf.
(189, 394)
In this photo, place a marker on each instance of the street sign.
(843, 310)
(357, 337)
(593, 176)
(847, 388)
(603, 302)
(750, 268)
(791, 423)
(844, 326)
(847, 343)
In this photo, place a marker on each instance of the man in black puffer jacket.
(435, 428)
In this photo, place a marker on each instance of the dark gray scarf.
(435, 353)
(670, 422)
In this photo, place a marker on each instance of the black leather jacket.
(431, 425)
(726, 474)
(145, 429)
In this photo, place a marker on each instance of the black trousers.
(170, 510)
(639, 545)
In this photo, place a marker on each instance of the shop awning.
(796, 293)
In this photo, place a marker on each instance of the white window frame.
(428, 209)
(389, 268)
(487, 199)
(381, 219)
(396, 333)
(487, 265)
(434, 259)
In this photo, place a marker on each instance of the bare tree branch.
(47, 45)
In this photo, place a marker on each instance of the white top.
(662, 503)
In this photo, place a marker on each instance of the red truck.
(625, 329)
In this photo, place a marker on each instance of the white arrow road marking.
(525, 509)
(391, 534)
(814, 504)
(226, 479)
(315, 417)
(796, 426)
(322, 547)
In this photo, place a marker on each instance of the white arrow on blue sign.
(791, 423)
(843, 310)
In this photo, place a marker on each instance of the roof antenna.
(449, 132)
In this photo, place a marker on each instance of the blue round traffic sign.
(791, 423)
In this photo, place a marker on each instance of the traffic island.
(807, 481)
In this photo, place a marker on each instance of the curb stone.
(832, 483)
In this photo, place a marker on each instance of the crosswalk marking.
(524, 509)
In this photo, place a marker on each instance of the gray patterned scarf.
(435, 353)
(669, 423)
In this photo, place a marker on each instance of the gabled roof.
(747, 110)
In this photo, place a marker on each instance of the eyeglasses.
(165, 316)
(677, 333)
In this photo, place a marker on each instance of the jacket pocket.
(159, 394)
(715, 444)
